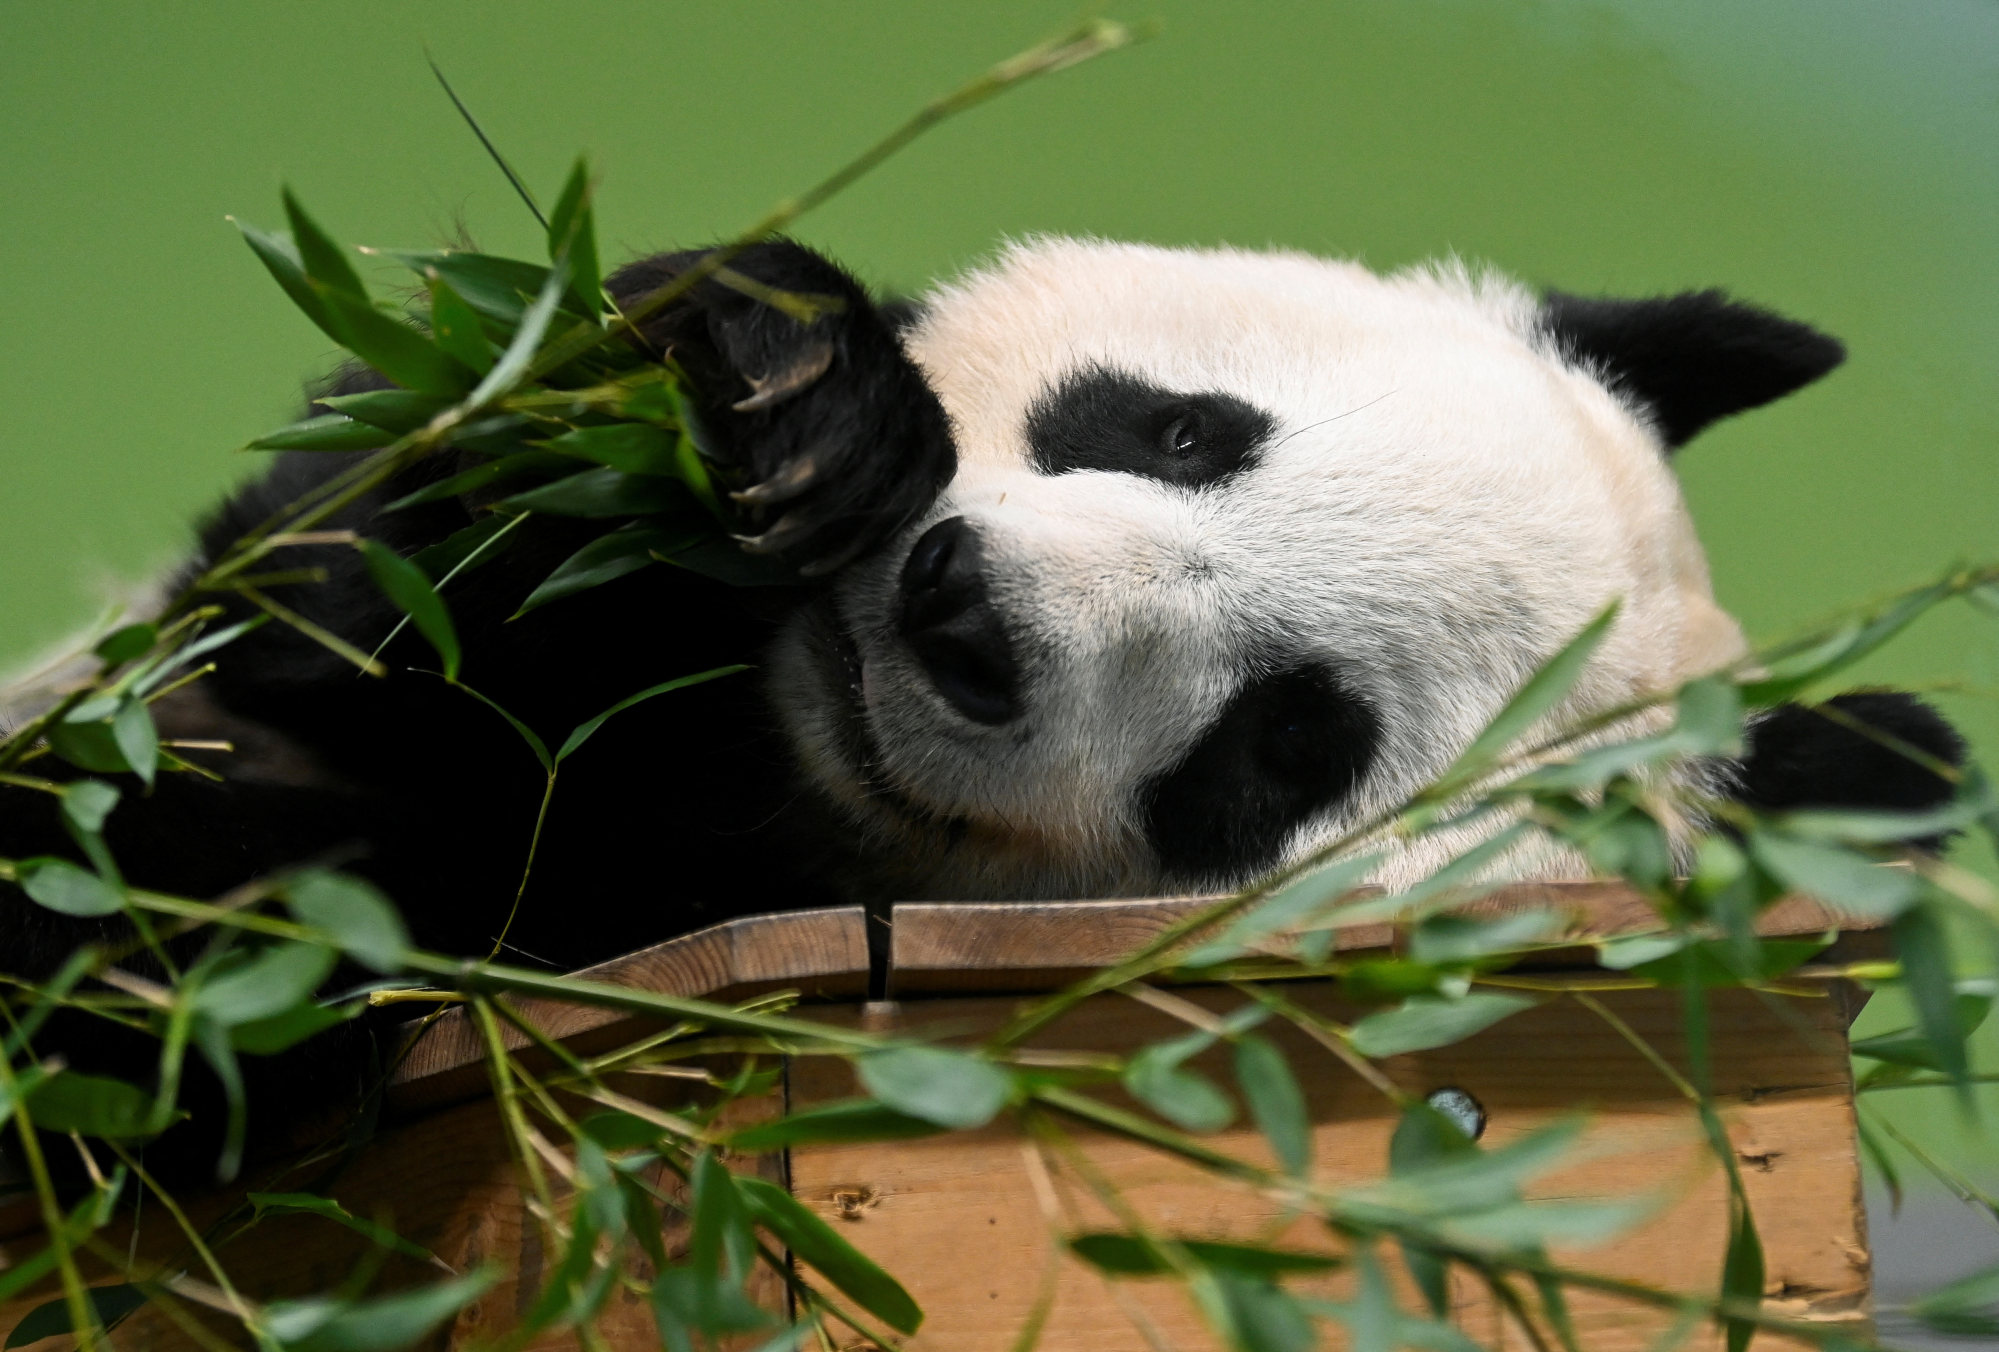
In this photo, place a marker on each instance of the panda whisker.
(1335, 418)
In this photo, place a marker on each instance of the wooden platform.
(964, 1220)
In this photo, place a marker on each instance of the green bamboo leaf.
(62, 886)
(1275, 1101)
(326, 432)
(450, 554)
(521, 465)
(280, 258)
(404, 584)
(572, 231)
(1790, 675)
(950, 1088)
(1281, 910)
(813, 1241)
(86, 803)
(513, 364)
(1455, 938)
(586, 730)
(634, 448)
(353, 913)
(1256, 1315)
(527, 734)
(282, 1032)
(1923, 946)
(324, 261)
(1525, 1226)
(1710, 721)
(1852, 882)
(455, 327)
(393, 347)
(498, 288)
(1721, 963)
(1965, 1308)
(1742, 1269)
(397, 411)
(715, 557)
(138, 740)
(1424, 1138)
(599, 493)
(88, 745)
(1908, 1047)
(287, 1203)
(122, 645)
(1157, 1077)
(95, 1106)
(845, 1120)
(109, 1303)
(1545, 689)
(1425, 1021)
(383, 1324)
(265, 984)
(604, 559)
(1133, 1256)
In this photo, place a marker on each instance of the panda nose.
(948, 620)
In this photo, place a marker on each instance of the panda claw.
(780, 537)
(786, 381)
(784, 485)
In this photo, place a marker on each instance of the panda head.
(1245, 547)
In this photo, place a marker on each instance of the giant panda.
(1120, 570)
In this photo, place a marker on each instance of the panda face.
(1242, 549)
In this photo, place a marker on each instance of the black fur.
(1105, 419)
(679, 814)
(1690, 359)
(1800, 757)
(1288, 745)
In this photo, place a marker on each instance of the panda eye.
(1181, 435)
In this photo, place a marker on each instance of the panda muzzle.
(947, 618)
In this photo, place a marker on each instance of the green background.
(1835, 159)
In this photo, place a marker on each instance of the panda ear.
(1873, 750)
(1692, 358)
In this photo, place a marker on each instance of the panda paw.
(1870, 749)
(828, 431)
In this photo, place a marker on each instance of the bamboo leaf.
(109, 1303)
(383, 1324)
(599, 493)
(284, 1203)
(572, 231)
(1545, 689)
(1425, 1021)
(586, 730)
(812, 1240)
(1852, 882)
(353, 913)
(950, 1088)
(63, 887)
(324, 261)
(95, 1106)
(326, 432)
(1923, 946)
(1157, 1077)
(455, 327)
(86, 803)
(265, 984)
(405, 585)
(138, 740)
(605, 559)
(397, 411)
(1276, 1103)
(1134, 1256)
(634, 448)
(845, 1120)
(122, 645)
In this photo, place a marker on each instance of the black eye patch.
(1105, 419)
(1288, 745)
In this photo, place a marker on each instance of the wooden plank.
(823, 953)
(961, 947)
(959, 1219)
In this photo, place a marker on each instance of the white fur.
(1444, 503)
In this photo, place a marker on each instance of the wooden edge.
(823, 953)
(987, 947)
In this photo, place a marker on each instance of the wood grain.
(1033, 946)
(821, 953)
(958, 1217)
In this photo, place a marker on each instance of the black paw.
(831, 438)
(1874, 749)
